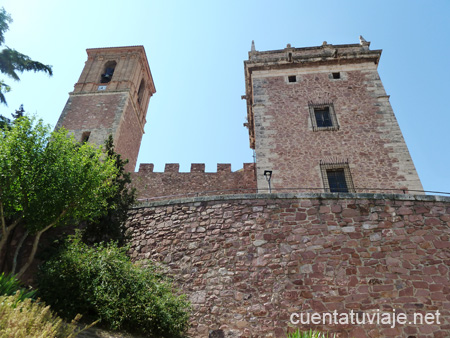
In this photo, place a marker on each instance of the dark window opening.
(336, 75)
(108, 72)
(323, 117)
(141, 92)
(292, 78)
(85, 136)
(289, 57)
(336, 180)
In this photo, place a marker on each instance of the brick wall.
(98, 113)
(171, 182)
(248, 261)
(128, 136)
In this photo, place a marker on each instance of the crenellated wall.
(174, 184)
(247, 262)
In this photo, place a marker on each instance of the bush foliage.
(24, 319)
(101, 282)
(10, 285)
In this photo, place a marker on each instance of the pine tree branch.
(11, 62)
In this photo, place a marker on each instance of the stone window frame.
(290, 77)
(322, 105)
(336, 75)
(297, 79)
(343, 165)
(342, 76)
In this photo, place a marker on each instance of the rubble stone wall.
(247, 262)
(368, 137)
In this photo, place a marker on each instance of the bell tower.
(111, 97)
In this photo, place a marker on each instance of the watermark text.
(361, 318)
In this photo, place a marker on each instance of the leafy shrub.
(102, 282)
(9, 285)
(308, 334)
(24, 319)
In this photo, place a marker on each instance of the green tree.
(6, 123)
(47, 180)
(11, 61)
(111, 225)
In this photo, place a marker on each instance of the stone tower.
(319, 118)
(111, 97)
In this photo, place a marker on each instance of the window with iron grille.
(336, 176)
(323, 116)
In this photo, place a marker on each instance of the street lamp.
(268, 176)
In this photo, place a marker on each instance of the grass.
(309, 334)
(29, 318)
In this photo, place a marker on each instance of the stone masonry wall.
(247, 262)
(282, 86)
(368, 135)
(173, 184)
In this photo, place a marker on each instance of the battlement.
(172, 183)
(195, 167)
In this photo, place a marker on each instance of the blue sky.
(196, 51)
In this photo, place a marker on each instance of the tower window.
(336, 75)
(292, 78)
(336, 176)
(336, 180)
(108, 72)
(85, 136)
(141, 92)
(323, 116)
